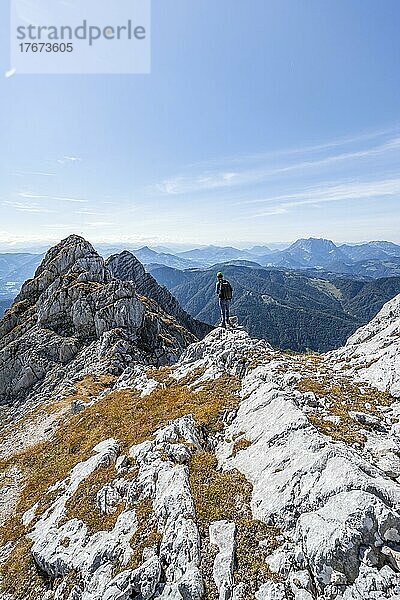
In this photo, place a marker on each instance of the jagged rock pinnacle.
(76, 315)
(125, 266)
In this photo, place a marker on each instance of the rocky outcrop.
(337, 503)
(170, 571)
(75, 317)
(222, 535)
(373, 353)
(125, 266)
(335, 506)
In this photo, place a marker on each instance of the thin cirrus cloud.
(30, 195)
(69, 159)
(210, 181)
(89, 212)
(99, 224)
(27, 207)
(304, 149)
(325, 193)
(35, 173)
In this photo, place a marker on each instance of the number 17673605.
(45, 47)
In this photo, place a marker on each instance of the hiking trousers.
(224, 307)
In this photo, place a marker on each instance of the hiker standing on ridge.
(224, 292)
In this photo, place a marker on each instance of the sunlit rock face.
(125, 266)
(74, 316)
(373, 352)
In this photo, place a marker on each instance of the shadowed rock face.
(74, 317)
(125, 266)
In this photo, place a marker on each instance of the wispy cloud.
(206, 181)
(35, 173)
(30, 195)
(236, 161)
(99, 224)
(69, 159)
(338, 142)
(89, 212)
(325, 193)
(12, 241)
(27, 207)
(228, 178)
(59, 226)
(65, 199)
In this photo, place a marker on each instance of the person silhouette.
(224, 292)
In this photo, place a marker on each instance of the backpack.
(225, 291)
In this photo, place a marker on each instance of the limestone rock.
(74, 318)
(222, 535)
(126, 267)
(271, 591)
(373, 351)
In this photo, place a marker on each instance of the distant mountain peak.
(313, 243)
(146, 249)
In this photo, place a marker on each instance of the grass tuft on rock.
(239, 445)
(226, 495)
(121, 414)
(344, 397)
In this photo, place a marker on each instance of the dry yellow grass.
(146, 535)
(83, 506)
(344, 397)
(121, 414)
(226, 495)
(240, 445)
(90, 386)
(256, 358)
(21, 578)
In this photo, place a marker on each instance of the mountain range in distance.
(323, 291)
(294, 310)
(371, 259)
(303, 253)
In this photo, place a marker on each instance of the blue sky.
(261, 121)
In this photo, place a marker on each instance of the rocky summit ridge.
(75, 316)
(126, 267)
(237, 472)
